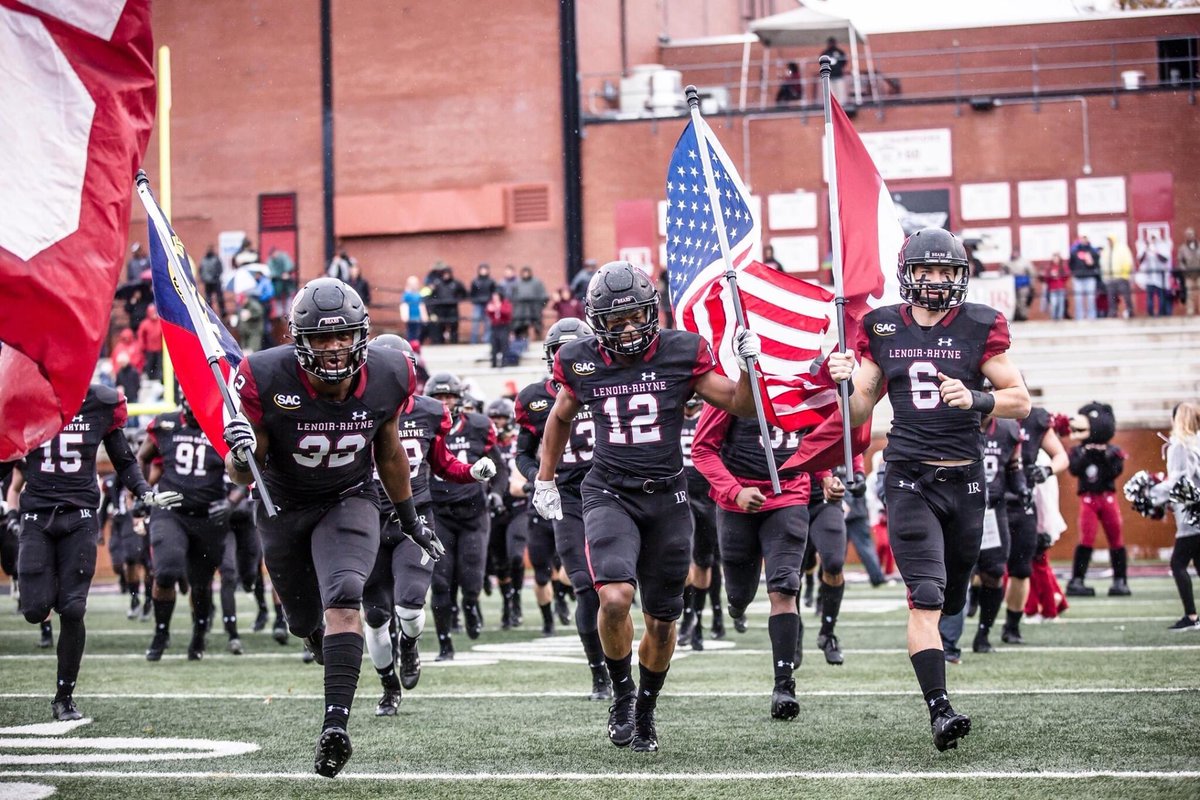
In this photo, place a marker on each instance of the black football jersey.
(697, 483)
(1000, 438)
(637, 407)
(470, 438)
(744, 454)
(923, 427)
(533, 409)
(420, 421)
(319, 449)
(1033, 428)
(62, 472)
(190, 464)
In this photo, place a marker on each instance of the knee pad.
(1021, 569)
(167, 580)
(927, 596)
(833, 568)
(992, 578)
(73, 610)
(376, 617)
(541, 575)
(36, 616)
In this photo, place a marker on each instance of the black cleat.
(645, 737)
(948, 727)
(260, 622)
(1011, 636)
(235, 646)
(197, 645)
(548, 627)
(1076, 588)
(314, 644)
(134, 607)
(410, 663)
(697, 641)
(65, 710)
(46, 641)
(473, 617)
(279, 631)
(306, 655)
(1119, 588)
(518, 616)
(160, 642)
(783, 700)
(147, 610)
(389, 704)
(620, 720)
(562, 610)
(738, 615)
(829, 646)
(445, 650)
(718, 628)
(601, 684)
(333, 751)
(981, 643)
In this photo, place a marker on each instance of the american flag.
(789, 315)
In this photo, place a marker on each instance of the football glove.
(495, 504)
(746, 344)
(423, 537)
(239, 435)
(483, 470)
(857, 487)
(12, 521)
(1037, 473)
(546, 500)
(154, 499)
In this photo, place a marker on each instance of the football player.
(188, 542)
(704, 543)
(930, 354)
(534, 404)
(827, 537)
(461, 519)
(313, 415)
(634, 379)
(56, 558)
(394, 594)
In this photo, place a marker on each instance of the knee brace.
(927, 596)
(412, 621)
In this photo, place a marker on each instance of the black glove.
(495, 504)
(412, 526)
(1044, 542)
(140, 509)
(12, 521)
(1037, 473)
(858, 486)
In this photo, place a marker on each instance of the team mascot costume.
(1096, 463)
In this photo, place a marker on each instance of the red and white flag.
(76, 107)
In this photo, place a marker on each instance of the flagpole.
(714, 201)
(835, 233)
(212, 350)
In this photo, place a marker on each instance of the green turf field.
(1105, 704)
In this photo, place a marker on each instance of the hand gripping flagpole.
(200, 321)
(835, 233)
(714, 201)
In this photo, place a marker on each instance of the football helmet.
(326, 305)
(394, 342)
(622, 308)
(445, 384)
(501, 407)
(933, 247)
(561, 332)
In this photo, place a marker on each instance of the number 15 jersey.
(911, 356)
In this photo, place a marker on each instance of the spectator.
(480, 293)
(664, 299)
(579, 284)
(412, 310)
(1116, 268)
(1154, 274)
(510, 282)
(360, 284)
(339, 266)
(283, 275)
(1056, 286)
(149, 336)
(837, 73)
(249, 323)
(1085, 275)
(136, 302)
(127, 376)
(264, 293)
(446, 292)
(499, 311)
(139, 262)
(1022, 271)
(529, 297)
(210, 276)
(128, 346)
(769, 258)
(791, 90)
(566, 304)
(246, 254)
(1188, 263)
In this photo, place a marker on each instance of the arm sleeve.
(706, 455)
(527, 460)
(705, 361)
(442, 461)
(247, 390)
(998, 339)
(560, 376)
(861, 345)
(125, 462)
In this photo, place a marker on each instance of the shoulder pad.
(978, 312)
(104, 394)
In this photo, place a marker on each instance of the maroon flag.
(76, 108)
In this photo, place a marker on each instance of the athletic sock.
(592, 649)
(231, 626)
(689, 606)
(930, 666)
(784, 630)
(621, 672)
(343, 661)
(71, 638)
(1012, 619)
(649, 686)
(831, 606)
(163, 609)
(990, 599)
(379, 647)
(547, 614)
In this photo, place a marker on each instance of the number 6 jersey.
(319, 450)
(910, 357)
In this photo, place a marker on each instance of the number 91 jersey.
(319, 450)
(637, 407)
(910, 357)
(190, 464)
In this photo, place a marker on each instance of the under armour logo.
(946, 342)
(359, 416)
(785, 664)
(905, 485)
(30, 516)
(649, 376)
(410, 423)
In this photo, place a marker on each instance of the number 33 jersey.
(319, 450)
(637, 408)
(910, 357)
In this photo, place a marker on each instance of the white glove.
(841, 365)
(162, 499)
(746, 344)
(239, 435)
(546, 500)
(483, 469)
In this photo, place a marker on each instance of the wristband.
(406, 514)
(983, 402)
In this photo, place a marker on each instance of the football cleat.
(1076, 588)
(948, 727)
(718, 624)
(518, 616)
(197, 645)
(645, 737)
(134, 607)
(1119, 588)
(783, 700)
(147, 610)
(953, 656)
(333, 751)
(389, 704)
(46, 640)
(687, 622)
(260, 621)
(410, 663)
(314, 645)
(445, 650)
(601, 685)
(981, 643)
(65, 710)
(829, 645)
(620, 720)
(562, 610)
(235, 646)
(738, 615)
(160, 642)
(473, 617)
(1011, 636)
(697, 640)
(279, 631)
(1185, 623)
(306, 655)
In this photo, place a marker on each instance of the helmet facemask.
(934, 248)
(331, 364)
(626, 330)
